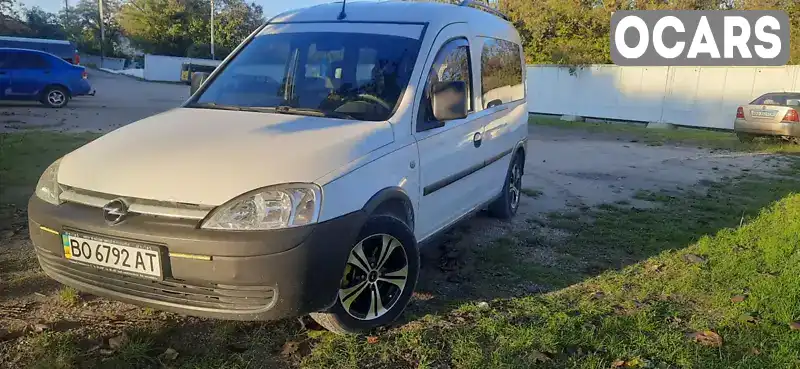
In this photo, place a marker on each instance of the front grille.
(135, 205)
(207, 296)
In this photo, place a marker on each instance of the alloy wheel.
(55, 97)
(375, 277)
(515, 184)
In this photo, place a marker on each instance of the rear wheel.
(745, 137)
(379, 278)
(506, 205)
(55, 97)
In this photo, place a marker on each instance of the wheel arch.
(61, 85)
(521, 149)
(394, 201)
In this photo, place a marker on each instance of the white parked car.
(304, 172)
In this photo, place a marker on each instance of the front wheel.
(379, 278)
(505, 206)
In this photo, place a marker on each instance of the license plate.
(763, 113)
(113, 255)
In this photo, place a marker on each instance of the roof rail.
(485, 7)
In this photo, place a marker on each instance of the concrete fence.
(691, 96)
(107, 62)
(168, 68)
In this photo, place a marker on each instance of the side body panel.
(391, 166)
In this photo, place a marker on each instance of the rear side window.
(23, 60)
(501, 72)
(783, 99)
(451, 64)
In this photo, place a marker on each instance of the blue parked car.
(40, 76)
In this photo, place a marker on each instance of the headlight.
(275, 207)
(47, 188)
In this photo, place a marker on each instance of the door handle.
(477, 139)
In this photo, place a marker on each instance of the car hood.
(207, 157)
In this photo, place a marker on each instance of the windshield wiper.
(312, 112)
(211, 105)
(282, 109)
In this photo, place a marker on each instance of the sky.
(271, 7)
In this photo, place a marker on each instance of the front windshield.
(341, 75)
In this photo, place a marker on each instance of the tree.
(159, 26)
(10, 25)
(6, 8)
(561, 31)
(82, 25)
(43, 24)
(576, 32)
(235, 21)
(182, 27)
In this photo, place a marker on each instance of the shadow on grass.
(174, 343)
(631, 287)
(604, 238)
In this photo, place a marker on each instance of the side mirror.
(197, 80)
(449, 100)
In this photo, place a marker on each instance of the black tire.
(505, 206)
(55, 97)
(745, 137)
(342, 320)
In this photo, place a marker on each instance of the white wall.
(110, 63)
(168, 68)
(692, 96)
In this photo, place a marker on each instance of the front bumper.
(250, 275)
(770, 129)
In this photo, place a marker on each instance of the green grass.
(688, 136)
(23, 158)
(622, 291)
(54, 351)
(69, 296)
(627, 292)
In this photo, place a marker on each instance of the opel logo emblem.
(115, 212)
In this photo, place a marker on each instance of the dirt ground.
(566, 170)
(119, 100)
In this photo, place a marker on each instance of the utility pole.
(66, 15)
(102, 35)
(212, 31)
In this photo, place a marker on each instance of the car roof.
(782, 93)
(40, 40)
(435, 15)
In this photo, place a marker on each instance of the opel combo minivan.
(303, 173)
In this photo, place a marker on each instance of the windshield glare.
(348, 74)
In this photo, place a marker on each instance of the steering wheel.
(376, 100)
